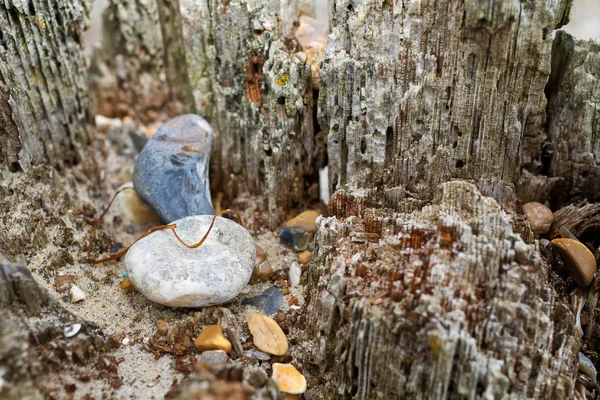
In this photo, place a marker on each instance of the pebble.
(304, 257)
(104, 124)
(125, 341)
(267, 335)
(295, 273)
(133, 208)
(127, 285)
(578, 258)
(259, 355)
(212, 338)
(540, 217)
(305, 219)
(62, 283)
(311, 33)
(76, 294)
(165, 271)
(171, 172)
(261, 273)
(268, 301)
(587, 366)
(214, 357)
(566, 234)
(289, 379)
(296, 237)
(302, 56)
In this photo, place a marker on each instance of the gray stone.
(167, 272)
(268, 301)
(214, 357)
(296, 237)
(171, 172)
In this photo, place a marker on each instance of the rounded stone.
(289, 379)
(540, 217)
(171, 172)
(167, 272)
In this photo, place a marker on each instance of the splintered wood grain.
(258, 97)
(415, 93)
(448, 302)
(42, 82)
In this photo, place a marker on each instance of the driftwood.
(420, 286)
(38, 336)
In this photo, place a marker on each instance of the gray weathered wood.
(43, 93)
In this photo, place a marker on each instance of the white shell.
(165, 271)
(76, 294)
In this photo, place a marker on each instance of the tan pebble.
(267, 335)
(261, 273)
(540, 217)
(304, 257)
(293, 301)
(311, 33)
(212, 338)
(134, 208)
(126, 284)
(578, 258)
(305, 219)
(289, 379)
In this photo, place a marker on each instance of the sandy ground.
(129, 317)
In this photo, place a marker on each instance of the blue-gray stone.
(296, 237)
(171, 172)
(268, 301)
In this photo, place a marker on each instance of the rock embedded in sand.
(214, 357)
(268, 301)
(289, 379)
(171, 172)
(127, 285)
(133, 208)
(304, 257)
(305, 219)
(212, 338)
(262, 272)
(296, 237)
(267, 335)
(539, 216)
(578, 258)
(167, 272)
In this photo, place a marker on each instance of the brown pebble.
(126, 284)
(248, 345)
(304, 257)
(293, 301)
(212, 338)
(289, 379)
(578, 258)
(262, 272)
(267, 335)
(62, 283)
(539, 216)
(260, 254)
(304, 220)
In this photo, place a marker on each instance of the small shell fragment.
(72, 330)
(76, 294)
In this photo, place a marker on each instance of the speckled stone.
(171, 172)
(166, 272)
(540, 217)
